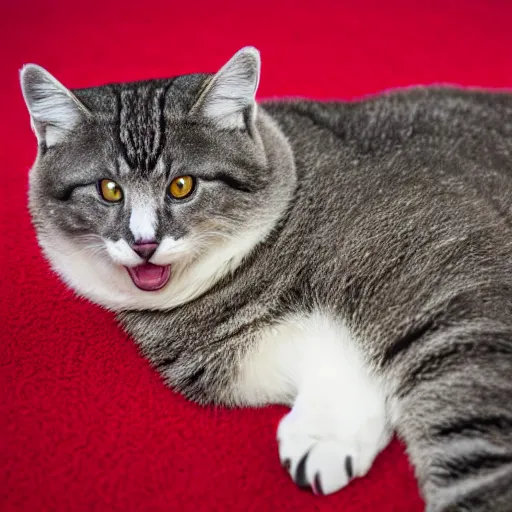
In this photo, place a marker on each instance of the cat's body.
(366, 280)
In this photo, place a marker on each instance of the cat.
(352, 260)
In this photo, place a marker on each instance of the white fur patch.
(190, 281)
(339, 413)
(143, 220)
(97, 271)
(122, 253)
(316, 349)
(89, 269)
(168, 248)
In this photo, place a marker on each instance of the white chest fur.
(303, 352)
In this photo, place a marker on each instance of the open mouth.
(149, 277)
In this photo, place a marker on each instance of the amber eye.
(181, 187)
(110, 191)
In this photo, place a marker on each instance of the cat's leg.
(336, 428)
(337, 424)
(452, 405)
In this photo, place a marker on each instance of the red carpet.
(85, 425)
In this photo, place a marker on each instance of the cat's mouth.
(149, 277)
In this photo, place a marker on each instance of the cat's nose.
(145, 250)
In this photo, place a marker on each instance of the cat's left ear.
(54, 110)
(229, 98)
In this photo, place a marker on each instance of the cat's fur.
(352, 260)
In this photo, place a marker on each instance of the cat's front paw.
(324, 458)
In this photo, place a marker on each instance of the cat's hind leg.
(452, 405)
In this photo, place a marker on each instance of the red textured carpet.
(85, 425)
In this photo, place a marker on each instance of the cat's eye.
(181, 187)
(110, 191)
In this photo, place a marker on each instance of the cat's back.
(438, 141)
(381, 121)
(407, 184)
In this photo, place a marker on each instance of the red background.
(84, 423)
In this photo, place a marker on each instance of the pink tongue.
(149, 277)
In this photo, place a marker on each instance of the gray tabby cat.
(352, 260)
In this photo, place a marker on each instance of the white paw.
(326, 455)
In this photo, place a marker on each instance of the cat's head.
(145, 194)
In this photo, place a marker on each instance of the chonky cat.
(352, 260)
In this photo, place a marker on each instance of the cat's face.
(144, 195)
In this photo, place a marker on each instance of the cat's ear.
(54, 109)
(229, 98)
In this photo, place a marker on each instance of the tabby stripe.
(119, 109)
(470, 464)
(478, 497)
(191, 380)
(230, 181)
(141, 131)
(234, 183)
(475, 425)
(446, 358)
(163, 364)
(404, 343)
(252, 326)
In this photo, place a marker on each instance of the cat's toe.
(324, 466)
(326, 460)
(330, 466)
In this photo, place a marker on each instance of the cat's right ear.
(54, 110)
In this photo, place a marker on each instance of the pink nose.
(145, 251)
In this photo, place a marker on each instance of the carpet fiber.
(85, 424)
